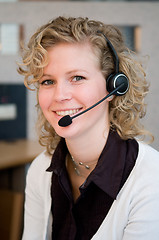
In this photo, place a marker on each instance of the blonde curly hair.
(125, 111)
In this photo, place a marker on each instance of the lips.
(67, 112)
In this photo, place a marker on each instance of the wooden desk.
(14, 158)
(18, 152)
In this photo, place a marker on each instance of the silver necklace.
(76, 166)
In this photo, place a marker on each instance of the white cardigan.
(134, 215)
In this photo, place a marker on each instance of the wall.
(143, 14)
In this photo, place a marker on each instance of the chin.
(70, 131)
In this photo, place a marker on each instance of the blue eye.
(78, 78)
(47, 82)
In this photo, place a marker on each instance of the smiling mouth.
(67, 112)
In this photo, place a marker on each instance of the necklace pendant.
(77, 171)
(87, 167)
(80, 163)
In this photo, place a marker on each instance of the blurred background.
(138, 20)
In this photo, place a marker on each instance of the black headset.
(117, 78)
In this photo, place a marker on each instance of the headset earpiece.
(115, 80)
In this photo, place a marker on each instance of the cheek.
(95, 94)
(44, 100)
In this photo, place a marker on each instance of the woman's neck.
(87, 148)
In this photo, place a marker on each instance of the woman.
(95, 181)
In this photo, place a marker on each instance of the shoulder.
(144, 177)
(148, 155)
(37, 198)
(37, 175)
(146, 169)
(41, 162)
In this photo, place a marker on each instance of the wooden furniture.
(19, 152)
(14, 160)
(11, 214)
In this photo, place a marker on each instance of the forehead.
(73, 53)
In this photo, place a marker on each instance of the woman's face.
(72, 82)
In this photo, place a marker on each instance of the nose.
(62, 92)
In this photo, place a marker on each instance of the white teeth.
(68, 112)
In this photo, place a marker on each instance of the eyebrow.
(46, 75)
(68, 73)
(77, 70)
